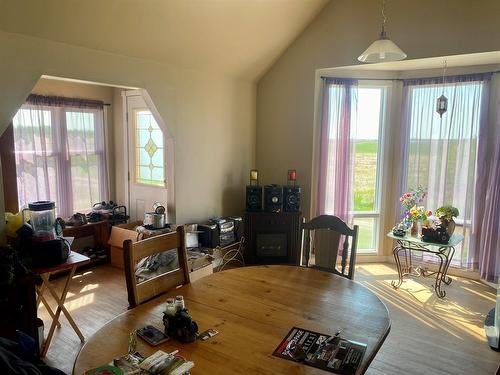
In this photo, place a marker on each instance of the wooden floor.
(428, 335)
(95, 296)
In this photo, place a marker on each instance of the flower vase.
(419, 229)
(414, 229)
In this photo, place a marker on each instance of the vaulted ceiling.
(235, 37)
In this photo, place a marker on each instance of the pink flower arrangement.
(413, 197)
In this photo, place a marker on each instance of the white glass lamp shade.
(382, 50)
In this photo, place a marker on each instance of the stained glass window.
(149, 150)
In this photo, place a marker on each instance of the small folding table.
(74, 260)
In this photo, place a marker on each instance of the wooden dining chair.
(327, 232)
(133, 252)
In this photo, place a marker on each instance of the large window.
(442, 151)
(59, 150)
(351, 156)
(366, 139)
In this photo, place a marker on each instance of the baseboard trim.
(372, 258)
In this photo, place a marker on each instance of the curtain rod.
(403, 79)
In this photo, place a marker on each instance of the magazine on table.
(327, 352)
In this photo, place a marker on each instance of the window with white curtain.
(60, 153)
(351, 167)
(441, 152)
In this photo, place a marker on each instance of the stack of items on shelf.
(220, 231)
(213, 243)
(110, 211)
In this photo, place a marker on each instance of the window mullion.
(65, 162)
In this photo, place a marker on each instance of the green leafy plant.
(448, 212)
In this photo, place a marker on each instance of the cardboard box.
(197, 274)
(120, 233)
(199, 265)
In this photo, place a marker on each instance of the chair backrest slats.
(139, 292)
(338, 228)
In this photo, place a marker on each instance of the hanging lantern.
(442, 101)
(441, 105)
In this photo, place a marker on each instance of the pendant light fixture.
(382, 49)
(442, 101)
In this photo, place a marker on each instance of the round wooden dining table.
(253, 308)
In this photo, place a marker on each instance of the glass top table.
(403, 256)
(455, 239)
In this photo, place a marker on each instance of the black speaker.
(254, 198)
(291, 198)
(238, 227)
(273, 198)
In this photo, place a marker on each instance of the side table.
(444, 252)
(74, 260)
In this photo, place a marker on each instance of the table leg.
(445, 278)
(396, 251)
(443, 260)
(41, 298)
(66, 312)
(408, 268)
(61, 308)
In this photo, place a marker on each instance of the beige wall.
(211, 116)
(285, 94)
(86, 91)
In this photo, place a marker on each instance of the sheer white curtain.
(441, 153)
(60, 153)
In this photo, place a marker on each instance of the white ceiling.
(235, 37)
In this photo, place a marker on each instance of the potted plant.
(446, 215)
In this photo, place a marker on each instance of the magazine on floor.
(327, 352)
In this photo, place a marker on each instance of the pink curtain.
(334, 187)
